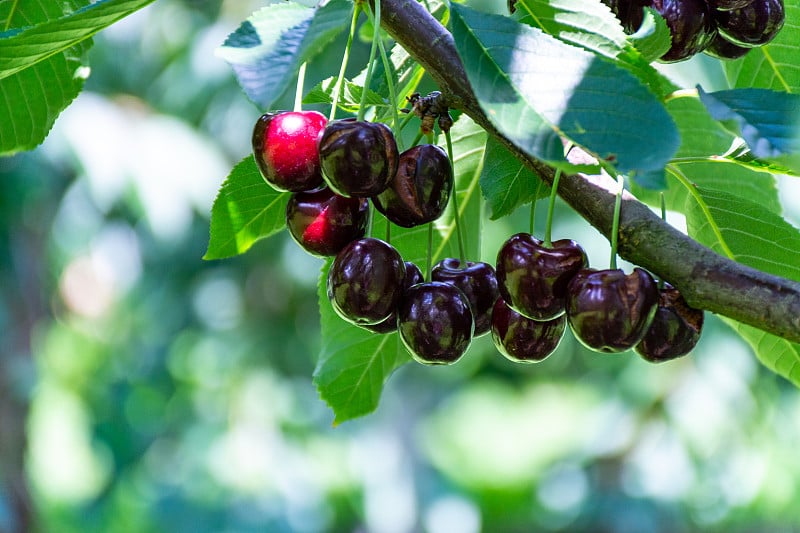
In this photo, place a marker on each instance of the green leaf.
(777, 354)
(769, 121)
(349, 99)
(506, 183)
(266, 51)
(42, 39)
(701, 135)
(355, 364)
(245, 210)
(43, 62)
(775, 65)
(536, 90)
(653, 38)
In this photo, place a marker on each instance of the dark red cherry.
(609, 311)
(756, 24)
(727, 5)
(722, 48)
(365, 281)
(691, 26)
(358, 158)
(322, 222)
(521, 339)
(285, 149)
(435, 322)
(629, 12)
(420, 189)
(533, 279)
(675, 329)
(413, 276)
(478, 282)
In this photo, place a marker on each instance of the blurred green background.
(145, 390)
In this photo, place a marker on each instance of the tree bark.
(706, 279)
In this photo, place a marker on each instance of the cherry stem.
(376, 36)
(387, 67)
(388, 231)
(340, 80)
(664, 218)
(429, 259)
(532, 220)
(417, 139)
(454, 196)
(550, 208)
(615, 224)
(298, 95)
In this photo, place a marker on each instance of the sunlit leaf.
(537, 90)
(245, 210)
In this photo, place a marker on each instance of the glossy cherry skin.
(629, 12)
(609, 311)
(675, 329)
(722, 48)
(533, 279)
(521, 339)
(756, 24)
(420, 189)
(412, 277)
(727, 5)
(691, 26)
(435, 323)
(365, 281)
(285, 149)
(358, 158)
(323, 222)
(478, 282)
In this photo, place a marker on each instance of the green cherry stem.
(548, 229)
(429, 258)
(376, 23)
(373, 50)
(664, 218)
(340, 80)
(532, 220)
(417, 139)
(615, 224)
(454, 197)
(388, 231)
(298, 95)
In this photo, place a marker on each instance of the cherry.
(628, 12)
(435, 322)
(609, 311)
(533, 279)
(722, 48)
(478, 282)
(365, 281)
(675, 329)
(413, 276)
(358, 158)
(323, 222)
(419, 191)
(521, 339)
(755, 24)
(285, 149)
(691, 26)
(727, 5)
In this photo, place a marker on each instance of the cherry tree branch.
(706, 279)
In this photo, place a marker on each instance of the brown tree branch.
(706, 279)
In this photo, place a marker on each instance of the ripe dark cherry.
(478, 282)
(629, 12)
(533, 279)
(435, 322)
(413, 276)
(358, 158)
(722, 48)
(285, 149)
(365, 281)
(419, 191)
(521, 339)
(755, 24)
(675, 329)
(323, 222)
(727, 5)
(691, 26)
(609, 311)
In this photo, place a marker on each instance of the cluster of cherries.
(333, 169)
(726, 29)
